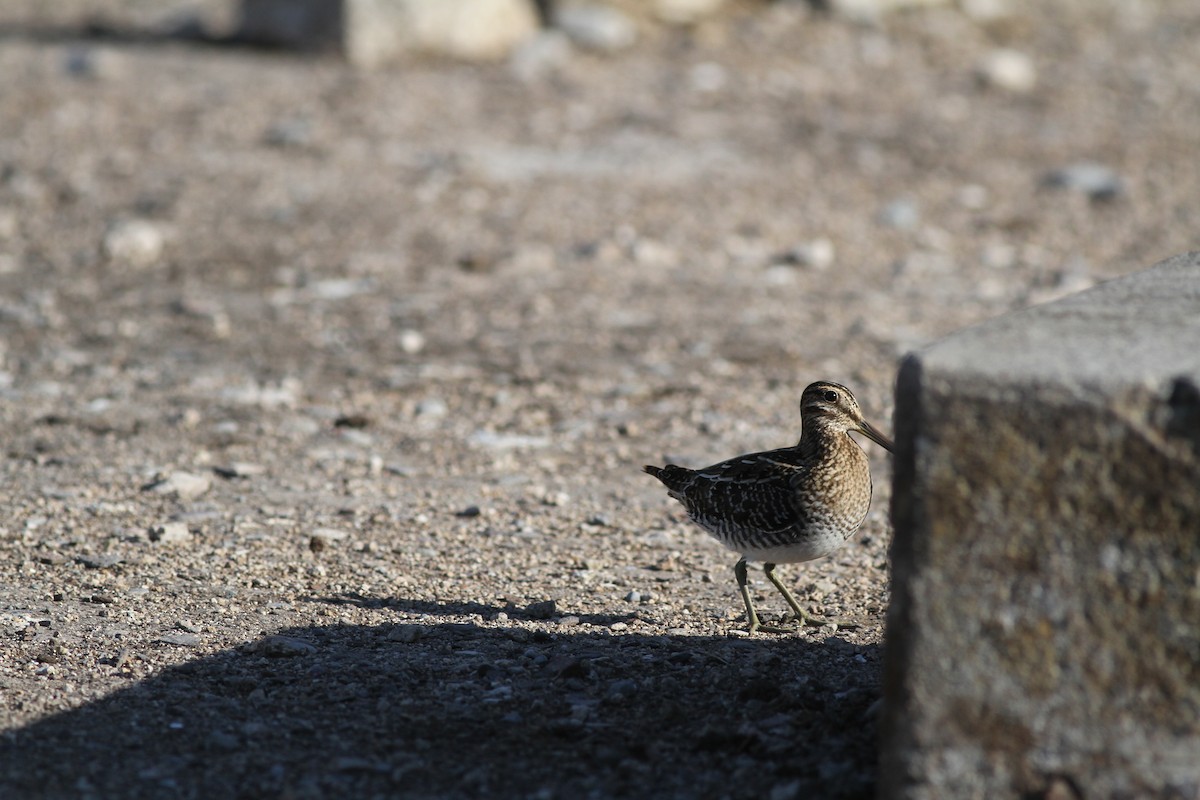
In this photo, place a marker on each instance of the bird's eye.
(831, 396)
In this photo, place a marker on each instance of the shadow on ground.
(460, 710)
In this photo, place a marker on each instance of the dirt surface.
(325, 393)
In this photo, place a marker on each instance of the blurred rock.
(370, 33)
(1010, 70)
(1095, 180)
(986, 10)
(134, 242)
(901, 214)
(184, 485)
(685, 12)
(597, 27)
(171, 533)
(872, 11)
(544, 54)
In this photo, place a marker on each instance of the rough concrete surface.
(1044, 631)
(324, 394)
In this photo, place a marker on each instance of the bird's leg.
(739, 571)
(801, 615)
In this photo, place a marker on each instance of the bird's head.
(832, 406)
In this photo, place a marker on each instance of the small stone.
(1010, 70)
(179, 639)
(985, 11)
(330, 534)
(136, 243)
(901, 214)
(708, 76)
(240, 469)
(544, 609)
(633, 597)
(618, 626)
(102, 561)
(1097, 181)
(411, 341)
(281, 647)
(569, 621)
(184, 485)
(817, 254)
(406, 634)
(171, 533)
(544, 54)
(597, 27)
(469, 512)
(289, 133)
(685, 12)
(432, 408)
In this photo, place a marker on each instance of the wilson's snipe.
(788, 505)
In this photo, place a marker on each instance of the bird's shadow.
(466, 710)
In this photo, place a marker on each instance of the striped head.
(832, 408)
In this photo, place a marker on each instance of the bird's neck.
(819, 441)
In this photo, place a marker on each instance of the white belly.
(817, 543)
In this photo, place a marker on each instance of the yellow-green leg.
(800, 614)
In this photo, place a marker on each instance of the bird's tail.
(672, 476)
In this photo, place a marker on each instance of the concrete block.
(373, 32)
(1044, 631)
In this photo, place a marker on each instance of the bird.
(789, 505)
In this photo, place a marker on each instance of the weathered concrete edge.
(1152, 387)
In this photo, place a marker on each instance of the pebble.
(184, 485)
(618, 626)
(281, 647)
(406, 634)
(411, 341)
(633, 597)
(544, 54)
(180, 639)
(597, 27)
(103, 561)
(901, 214)
(134, 242)
(432, 408)
(817, 254)
(1007, 69)
(469, 512)
(1097, 181)
(685, 12)
(295, 132)
(171, 533)
(240, 469)
(543, 609)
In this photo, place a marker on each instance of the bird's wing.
(756, 491)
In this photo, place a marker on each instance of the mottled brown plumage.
(788, 505)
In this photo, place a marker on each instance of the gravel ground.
(325, 393)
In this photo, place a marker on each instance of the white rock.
(412, 341)
(373, 32)
(171, 533)
(134, 243)
(1010, 70)
(597, 27)
(379, 30)
(685, 12)
(184, 485)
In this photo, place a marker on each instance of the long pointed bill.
(872, 433)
